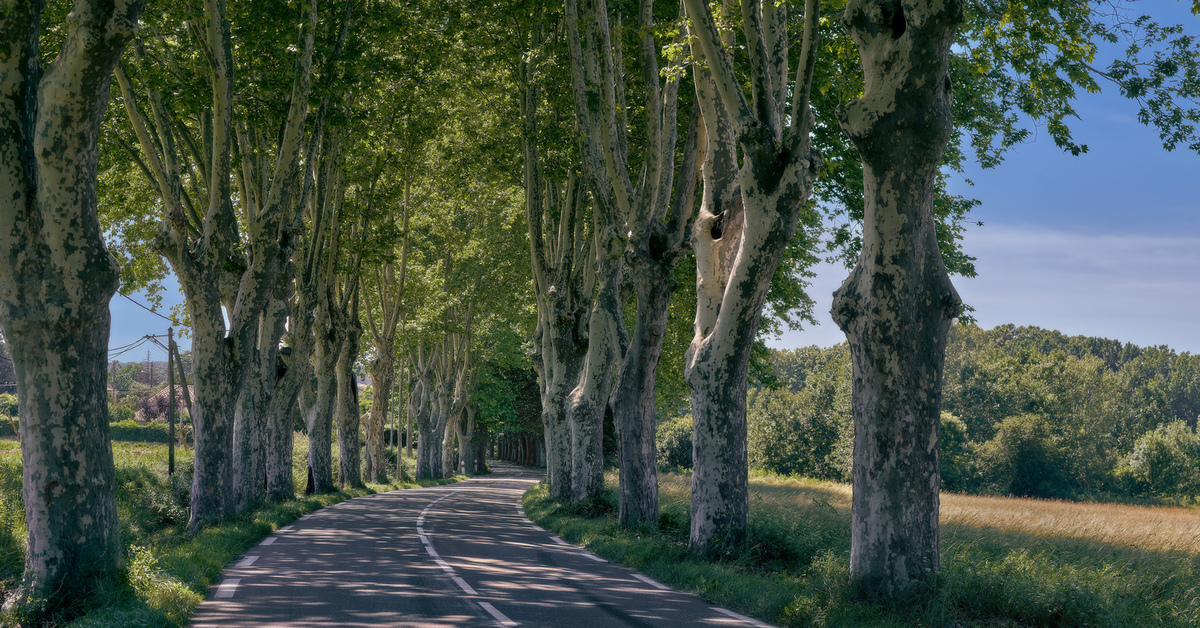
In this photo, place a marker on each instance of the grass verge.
(1005, 562)
(168, 572)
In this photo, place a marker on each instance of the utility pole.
(171, 403)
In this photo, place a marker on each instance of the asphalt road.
(456, 555)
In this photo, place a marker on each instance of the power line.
(127, 298)
(127, 348)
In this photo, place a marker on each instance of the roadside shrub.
(674, 444)
(1166, 461)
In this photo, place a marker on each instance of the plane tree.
(56, 279)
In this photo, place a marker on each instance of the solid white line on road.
(462, 584)
(424, 539)
(559, 541)
(500, 617)
(420, 529)
(269, 540)
(593, 557)
(247, 561)
(432, 552)
(227, 587)
(444, 565)
(748, 620)
(653, 583)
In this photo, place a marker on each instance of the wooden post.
(187, 395)
(171, 403)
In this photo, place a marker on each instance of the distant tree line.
(1026, 411)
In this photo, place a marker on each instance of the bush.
(129, 430)
(1024, 458)
(8, 404)
(1166, 461)
(118, 414)
(955, 454)
(674, 442)
(791, 433)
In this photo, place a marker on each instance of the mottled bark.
(421, 404)
(560, 254)
(633, 401)
(739, 241)
(347, 416)
(297, 373)
(656, 216)
(897, 304)
(201, 238)
(320, 416)
(382, 378)
(592, 87)
(250, 423)
(56, 279)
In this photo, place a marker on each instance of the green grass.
(168, 571)
(1005, 562)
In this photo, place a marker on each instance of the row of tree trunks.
(524, 448)
(56, 279)
(222, 278)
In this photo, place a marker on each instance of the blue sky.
(1104, 244)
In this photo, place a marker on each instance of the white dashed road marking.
(247, 561)
(559, 541)
(500, 617)
(653, 583)
(462, 584)
(227, 587)
(593, 557)
(737, 616)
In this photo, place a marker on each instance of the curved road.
(456, 555)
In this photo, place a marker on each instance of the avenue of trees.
(452, 196)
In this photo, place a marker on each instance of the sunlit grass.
(1005, 562)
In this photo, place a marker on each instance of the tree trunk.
(348, 418)
(382, 377)
(320, 417)
(213, 497)
(897, 304)
(287, 397)
(56, 279)
(737, 251)
(633, 403)
(250, 419)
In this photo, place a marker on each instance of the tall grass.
(168, 571)
(1005, 562)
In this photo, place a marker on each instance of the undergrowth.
(1050, 567)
